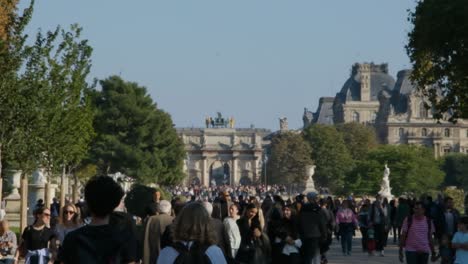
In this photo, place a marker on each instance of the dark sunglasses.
(69, 212)
(46, 214)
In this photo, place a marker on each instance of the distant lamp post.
(265, 160)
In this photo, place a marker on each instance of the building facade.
(220, 155)
(397, 110)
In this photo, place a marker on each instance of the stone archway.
(220, 173)
(245, 180)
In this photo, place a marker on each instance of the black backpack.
(196, 254)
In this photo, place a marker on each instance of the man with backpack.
(106, 239)
(416, 237)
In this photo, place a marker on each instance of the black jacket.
(312, 222)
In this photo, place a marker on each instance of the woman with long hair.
(38, 240)
(290, 251)
(68, 221)
(8, 243)
(193, 238)
(255, 246)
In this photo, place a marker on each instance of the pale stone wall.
(210, 149)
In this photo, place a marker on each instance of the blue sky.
(256, 60)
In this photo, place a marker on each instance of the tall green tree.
(330, 155)
(290, 154)
(412, 169)
(17, 111)
(455, 167)
(134, 137)
(438, 50)
(56, 71)
(358, 138)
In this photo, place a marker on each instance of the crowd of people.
(261, 224)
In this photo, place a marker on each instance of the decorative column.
(234, 176)
(205, 176)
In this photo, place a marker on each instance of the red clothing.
(417, 238)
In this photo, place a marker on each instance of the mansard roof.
(324, 114)
(379, 80)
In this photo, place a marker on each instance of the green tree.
(56, 71)
(413, 169)
(17, 111)
(455, 167)
(358, 138)
(438, 49)
(330, 155)
(134, 137)
(290, 154)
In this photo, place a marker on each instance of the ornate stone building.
(358, 99)
(396, 110)
(224, 155)
(404, 119)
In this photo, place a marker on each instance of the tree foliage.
(55, 72)
(413, 169)
(358, 138)
(438, 50)
(330, 155)
(455, 167)
(290, 154)
(133, 136)
(17, 111)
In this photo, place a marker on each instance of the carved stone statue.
(207, 122)
(385, 190)
(307, 117)
(231, 122)
(310, 185)
(38, 177)
(283, 124)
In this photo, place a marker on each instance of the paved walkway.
(335, 256)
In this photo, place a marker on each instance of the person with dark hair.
(312, 229)
(275, 234)
(152, 208)
(194, 238)
(445, 221)
(325, 245)
(347, 222)
(392, 219)
(377, 221)
(38, 240)
(103, 240)
(255, 246)
(290, 252)
(416, 237)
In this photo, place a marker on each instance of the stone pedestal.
(13, 210)
(309, 186)
(13, 200)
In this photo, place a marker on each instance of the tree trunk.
(1, 175)
(75, 188)
(47, 201)
(24, 203)
(62, 190)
